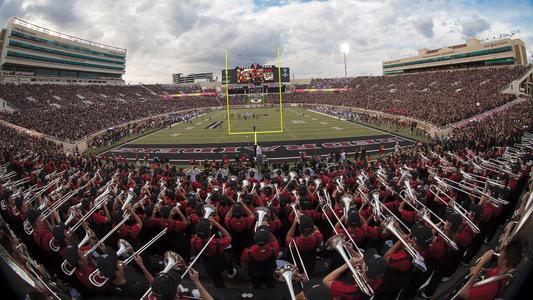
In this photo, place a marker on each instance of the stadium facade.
(473, 53)
(179, 78)
(33, 54)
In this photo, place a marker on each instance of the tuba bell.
(208, 210)
(287, 273)
(261, 212)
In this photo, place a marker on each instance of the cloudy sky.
(168, 36)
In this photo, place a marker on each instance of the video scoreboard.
(255, 74)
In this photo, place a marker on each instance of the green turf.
(299, 124)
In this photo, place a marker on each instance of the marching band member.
(344, 287)
(239, 222)
(260, 258)
(308, 241)
(214, 257)
(124, 279)
(399, 266)
(165, 286)
(509, 258)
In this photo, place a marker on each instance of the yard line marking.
(189, 128)
(398, 136)
(337, 128)
(175, 134)
(314, 119)
(324, 123)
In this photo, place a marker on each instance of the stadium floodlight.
(345, 49)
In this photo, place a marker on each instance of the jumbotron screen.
(255, 74)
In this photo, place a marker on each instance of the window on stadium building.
(452, 57)
(62, 45)
(57, 52)
(59, 61)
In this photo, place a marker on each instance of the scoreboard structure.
(255, 74)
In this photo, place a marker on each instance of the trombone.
(95, 276)
(173, 260)
(418, 260)
(65, 265)
(463, 213)
(291, 272)
(424, 214)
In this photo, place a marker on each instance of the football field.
(207, 137)
(298, 124)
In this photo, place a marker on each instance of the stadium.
(413, 184)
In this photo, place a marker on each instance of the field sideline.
(299, 125)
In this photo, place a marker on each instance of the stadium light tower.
(345, 49)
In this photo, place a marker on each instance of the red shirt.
(350, 291)
(239, 224)
(172, 225)
(400, 261)
(306, 243)
(260, 253)
(129, 230)
(488, 291)
(358, 234)
(216, 246)
(42, 238)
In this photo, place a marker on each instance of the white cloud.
(167, 36)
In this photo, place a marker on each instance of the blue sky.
(168, 36)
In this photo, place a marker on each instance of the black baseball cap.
(203, 228)
(453, 219)
(422, 235)
(32, 215)
(165, 211)
(237, 210)
(59, 233)
(71, 255)
(305, 203)
(165, 285)
(375, 264)
(306, 225)
(262, 235)
(107, 264)
(353, 218)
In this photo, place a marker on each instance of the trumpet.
(338, 243)
(98, 280)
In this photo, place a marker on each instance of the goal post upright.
(227, 94)
(255, 133)
(280, 103)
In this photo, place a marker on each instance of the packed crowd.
(430, 97)
(388, 208)
(160, 89)
(59, 111)
(114, 135)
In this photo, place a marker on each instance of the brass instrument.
(98, 280)
(338, 243)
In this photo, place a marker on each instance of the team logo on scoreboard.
(268, 76)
